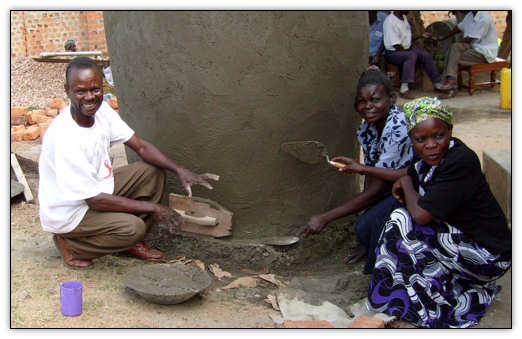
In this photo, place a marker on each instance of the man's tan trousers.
(101, 233)
(461, 53)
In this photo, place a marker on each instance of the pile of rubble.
(29, 124)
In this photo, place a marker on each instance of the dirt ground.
(36, 270)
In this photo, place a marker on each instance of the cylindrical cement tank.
(220, 91)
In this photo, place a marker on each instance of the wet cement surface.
(167, 283)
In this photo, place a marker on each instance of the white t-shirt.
(75, 165)
(396, 31)
(481, 28)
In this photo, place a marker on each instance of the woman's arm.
(386, 174)
(404, 191)
(373, 190)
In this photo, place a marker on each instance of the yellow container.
(505, 88)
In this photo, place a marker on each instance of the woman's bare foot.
(356, 255)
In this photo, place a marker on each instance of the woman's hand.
(350, 165)
(314, 225)
(398, 191)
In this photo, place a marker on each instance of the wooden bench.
(421, 78)
(473, 69)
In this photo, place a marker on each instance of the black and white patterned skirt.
(432, 276)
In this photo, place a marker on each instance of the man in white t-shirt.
(478, 45)
(92, 208)
(398, 51)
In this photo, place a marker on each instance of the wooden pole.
(21, 178)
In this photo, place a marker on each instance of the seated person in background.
(70, 46)
(376, 36)
(386, 146)
(478, 45)
(440, 254)
(107, 72)
(92, 209)
(399, 52)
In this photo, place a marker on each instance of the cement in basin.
(167, 283)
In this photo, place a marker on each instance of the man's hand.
(314, 225)
(189, 178)
(351, 165)
(169, 217)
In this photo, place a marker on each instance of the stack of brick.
(31, 125)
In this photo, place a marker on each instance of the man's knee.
(135, 230)
(152, 171)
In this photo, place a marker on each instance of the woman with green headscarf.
(439, 256)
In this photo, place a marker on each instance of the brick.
(17, 134)
(43, 127)
(113, 102)
(17, 128)
(56, 104)
(31, 133)
(37, 116)
(18, 120)
(51, 112)
(17, 111)
(367, 322)
(307, 324)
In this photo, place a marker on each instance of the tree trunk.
(505, 46)
(417, 28)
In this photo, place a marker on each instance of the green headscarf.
(425, 108)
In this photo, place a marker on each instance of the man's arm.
(152, 155)
(455, 31)
(104, 202)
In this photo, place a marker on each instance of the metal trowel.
(309, 151)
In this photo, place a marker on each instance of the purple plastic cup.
(71, 298)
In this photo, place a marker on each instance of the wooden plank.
(64, 60)
(200, 208)
(21, 178)
(74, 54)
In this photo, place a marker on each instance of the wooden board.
(200, 207)
(21, 178)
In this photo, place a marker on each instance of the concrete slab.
(497, 169)
(16, 188)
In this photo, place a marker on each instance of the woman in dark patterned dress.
(440, 254)
(384, 139)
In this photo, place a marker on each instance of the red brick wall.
(33, 32)
(432, 16)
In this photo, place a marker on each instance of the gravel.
(34, 83)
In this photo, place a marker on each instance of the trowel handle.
(336, 164)
(202, 221)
